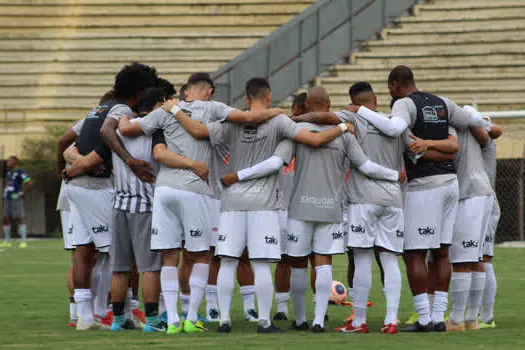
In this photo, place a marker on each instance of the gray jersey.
(180, 141)
(489, 158)
(319, 177)
(251, 144)
(472, 177)
(383, 150)
(286, 175)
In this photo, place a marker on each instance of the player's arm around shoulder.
(321, 138)
(253, 117)
(171, 159)
(323, 118)
(129, 129)
(195, 128)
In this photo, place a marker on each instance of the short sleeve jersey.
(15, 180)
(472, 177)
(180, 141)
(383, 150)
(251, 144)
(318, 193)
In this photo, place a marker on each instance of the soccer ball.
(338, 292)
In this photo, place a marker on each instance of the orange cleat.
(139, 315)
(106, 321)
(389, 328)
(349, 328)
(72, 324)
(347, 324)
(350, 318)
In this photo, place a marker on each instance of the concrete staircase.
(57, 57)
(460, 49)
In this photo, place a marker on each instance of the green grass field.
(34, 313)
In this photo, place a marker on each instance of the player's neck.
(318, 109)
(258, 106)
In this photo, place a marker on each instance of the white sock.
(459, 290)
(263, 290)
(248, 296)
(298, 287)
(225, 287)
(363, 259)
(7, 233)
(489, 294)
(422, 308)
(73, 315)
(431, 301)
(135, 303)
(198, 281)
(281, 299)
(83, 301)
(162, 304)
(323, 289)
(439, 306)
(128, 311)
(100, 304)
(169, 283)
(211, 298)
(392, 285)
(184, 303)
(475, 296)
(350, 292)
(22, 231)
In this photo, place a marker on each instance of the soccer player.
(299, 104)
(17, 183)
(249, 209)
(486, 317)
(374, 214)
(473, 215)
(90, 181)
(184, 200)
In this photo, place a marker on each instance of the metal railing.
(320, 36)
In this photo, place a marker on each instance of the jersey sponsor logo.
(488, 239)
(221, 238)
(70, 230)
(195, 233)
(434, 114)
(271, 240)
(338, 235)
(100, 229)
(240, 187)
(319, 202)
(250, 134)
(425, 231)
(400, 234)
(470, 244)
(292, 238)
(357, 228)
(153, 231)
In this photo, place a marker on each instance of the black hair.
(257, 88)
(108, 96)
(401, 74)
(169, 89)
(201, 77)
(359, 87)
(15, 158)
(182, 92)
(150, 97)
(299, 100)
(133, 79)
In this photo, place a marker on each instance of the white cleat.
(91, 326)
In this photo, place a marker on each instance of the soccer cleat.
(190, 327)
(72, 323)
(347, 323)
(317, 328)
(128, 325)
(270, 329)
(115, 327)
(91, 326)
(164, 317)
(224, 328)
(280, 316)
(455, 327)
(152, 328)
(139, 315)
(202, 319)
(472, 326)
(418, 328)
(22, 245)
(439, 327)
(106, 321)
(389, 328)
(175, 328)
(251, 315)
(6, 245)
(350, 318)
(349, 328)
(302, 327)
(487, 325)
(213, 315)
(413, 318)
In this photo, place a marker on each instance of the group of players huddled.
(191, 192)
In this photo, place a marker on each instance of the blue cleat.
(160, 327)
(115, 327)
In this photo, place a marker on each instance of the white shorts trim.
(372, 225)
(307, 237)
(67, 231)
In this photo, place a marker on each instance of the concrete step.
(137, 2)
(468, 4)
(476, 12)
(73, 80)
(181, 9)
(410, 58)
(451, 37)
(481, 24)
(46, 45)
(404, 30)
(450, 48)
(171, 20)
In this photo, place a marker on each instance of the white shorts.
(67, 231)
(472, 219)
(90, 216)
(256, 230)
(430, 216)
(283, 222)
(181, 216)
(490, 236)
(215, 213)
(307, 237)
(372, 225)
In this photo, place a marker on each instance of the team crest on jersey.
(357, 228)
(425, 231)
(271, 240)
(470, 244)
(400, 234)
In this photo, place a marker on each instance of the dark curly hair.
(133, 79)
(169, 89)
